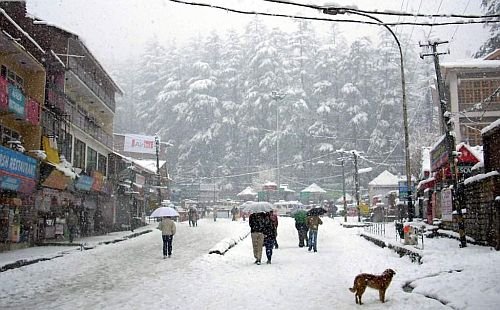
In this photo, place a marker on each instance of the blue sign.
(17, 164)
(10, 183)
(16, 100)
(84, 183)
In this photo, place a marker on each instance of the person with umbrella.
(167, 227)
(300, 217)
(313, 222)
(257, 228)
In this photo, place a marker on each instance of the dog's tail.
(352, 289)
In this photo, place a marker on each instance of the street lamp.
(158, 176)
(335, 11)
(276, 97)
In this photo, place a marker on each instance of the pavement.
(50, 250)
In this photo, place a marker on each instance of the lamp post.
(276, 97)
(335, 11)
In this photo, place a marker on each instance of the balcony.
(63, 106)
(91, 88)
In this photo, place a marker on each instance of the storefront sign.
(98, 181)
(84, 183)
(18, 172)
(139, 144)
(439, 155)
(57, 180)
(16, 100)
(446, 205)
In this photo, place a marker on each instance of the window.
(102, 165)
(79, 155)
(91, 160)
(66, 146)
(471, 92)
(12, 77)
(7, 134)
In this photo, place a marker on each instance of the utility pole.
(277, 96)
(158, 176)
(447, 127)
(356, 182)
(343, 189)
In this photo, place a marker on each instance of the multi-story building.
(22, 89)
(76, 129)
(473, 90)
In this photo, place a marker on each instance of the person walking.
(215, 214)
(256, 222)
(167, 227)
(72, 222)
(313, 222)
(234, 212)
(301, 226)
(269, 235)
(274, 220)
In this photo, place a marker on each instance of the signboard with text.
(139, 144)
(447, 205)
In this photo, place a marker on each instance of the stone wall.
(482, 216)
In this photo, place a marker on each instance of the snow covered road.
(133, 275)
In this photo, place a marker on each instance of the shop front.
(18, 178)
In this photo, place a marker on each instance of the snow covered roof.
(471, 64)
(313, 188)
(347, 198)
(477, 150)
(247, 192)
(490, 126)
(146, 164)
(385, 179)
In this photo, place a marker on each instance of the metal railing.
(91, 83)
(77, 117)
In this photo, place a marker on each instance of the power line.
(430, 30)
(423, 24)
(456, 28)
(318, 7)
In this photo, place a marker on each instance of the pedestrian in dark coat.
(274, 221)
(269, 235)
(167, 227)
(257, 227)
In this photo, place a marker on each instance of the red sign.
(32, 111)
(4, 95)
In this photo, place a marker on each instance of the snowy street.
(132, 274)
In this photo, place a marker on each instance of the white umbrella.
(257, 207)
(164, 211)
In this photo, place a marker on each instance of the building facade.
(473, 92)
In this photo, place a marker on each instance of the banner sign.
(32, 112)
(139, 144)
(18, 172)
(98, 181)
(16, 100)
(84, 183)
(4, 95)
(17, 164)
(447, 205)
(439, 155)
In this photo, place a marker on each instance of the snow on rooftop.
(385, 178)
(481, 176)
(490, 126)
(471, 64)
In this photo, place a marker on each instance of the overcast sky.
(116, 29)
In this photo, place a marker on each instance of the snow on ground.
(132, 274)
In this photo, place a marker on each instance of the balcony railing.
(77, 117)
(91, 83)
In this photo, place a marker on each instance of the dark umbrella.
(317, 211)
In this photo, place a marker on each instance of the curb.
(83, 246)
(415, 257)
(223, 246)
